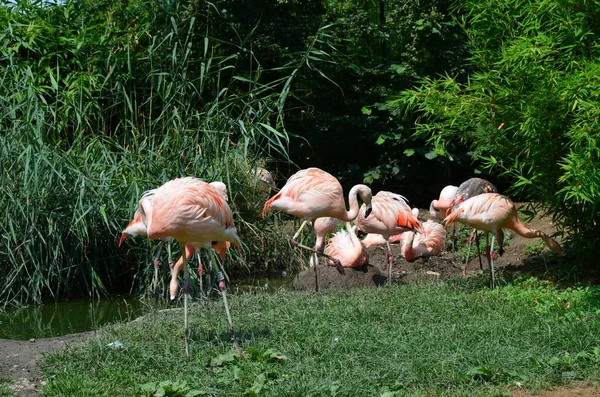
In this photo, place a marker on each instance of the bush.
(530, 108)
(96, 108)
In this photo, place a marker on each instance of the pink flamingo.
(137, 227)
(313, 193)
(190, 211)
(438, 207)
(470, 188)
(324, 226)
(429, 243)
(391, 215)
(347, 247)
(492, 212)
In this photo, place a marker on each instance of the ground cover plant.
(446, 338)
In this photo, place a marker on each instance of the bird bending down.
(429, 243)
(347, 247)
(391, 215)
(190, 211)
(137, 227)
(492, 212)
(313, 193)
(190, 249)
(439, 207)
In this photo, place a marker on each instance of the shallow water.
(62, 318)
(69, 317)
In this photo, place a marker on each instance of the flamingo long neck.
(407, 247)
(351, 215)
(524, 231)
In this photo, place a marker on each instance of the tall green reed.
(93, 114)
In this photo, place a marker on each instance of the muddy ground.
(18, 358)
(513, 262)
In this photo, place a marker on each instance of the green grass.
(430, 339)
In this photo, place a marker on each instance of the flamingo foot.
(171, 265)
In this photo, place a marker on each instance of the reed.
(93, 113)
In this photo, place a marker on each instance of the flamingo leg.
(186, 292)
(223, 289)
(390, 260)
(314, 261)
(156, 264)
(200, 273)
(492, 276)
(295, 243)
(464, 269)
(478, 250)
(170, 256)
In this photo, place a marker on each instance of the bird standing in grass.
(492, 212)
(313, 193)
(391, 215)
(192, 212)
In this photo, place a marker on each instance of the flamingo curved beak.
(123, 237)
(368, 210)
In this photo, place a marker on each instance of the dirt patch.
(20, 360)
(514, 261)
(575, 390)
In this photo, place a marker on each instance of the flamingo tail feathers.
(269, 203)
(450, 219)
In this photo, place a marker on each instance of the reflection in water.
(56, 319)
(62, 318)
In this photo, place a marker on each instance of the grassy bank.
(441, 339)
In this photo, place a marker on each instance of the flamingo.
(438, 207)
(324, 226)
(313, 193)
(138, 228)
(374, 239)
(190, 211)
(470, 188)
(347, 247)
(429, 243)
(391, 215)
(219, 246)
(264, 179)
(492, 212)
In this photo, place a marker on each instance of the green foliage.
(529, 109)
(545, 298)
(5, 390)
(102, 101)
(443, 339)
(534, 248)
(169, 389)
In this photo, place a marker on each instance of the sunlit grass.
(440, 339)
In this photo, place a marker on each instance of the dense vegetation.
(102, 100)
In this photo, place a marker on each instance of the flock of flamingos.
(196, 214)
